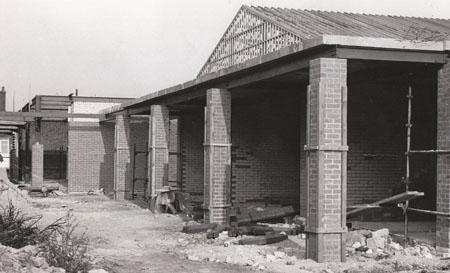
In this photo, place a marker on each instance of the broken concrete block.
(394, 246)
(375, 243)
(356, 245)
(355, 236)
(279, 254)
(194, 258)
(381, 233)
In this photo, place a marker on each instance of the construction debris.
(197, 228)
(25, 259)
(259, 213)
(9, 192)
(270, 238)
(379, 244)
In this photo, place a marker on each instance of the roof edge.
(337, 40)
(386, 43)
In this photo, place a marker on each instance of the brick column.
(37, 165)
(443, 160)
(303, 153)
(217, 156)
(121, 157)
(158, 169)
(326, 145)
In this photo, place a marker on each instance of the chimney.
(3, 99)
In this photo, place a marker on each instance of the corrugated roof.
(312, 23)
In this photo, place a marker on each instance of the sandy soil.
(127, 238)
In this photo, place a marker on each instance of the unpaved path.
(127, 239)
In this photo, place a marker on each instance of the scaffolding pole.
(408, 152)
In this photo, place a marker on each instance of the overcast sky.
(131, 48)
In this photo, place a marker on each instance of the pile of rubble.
(23, 260)
(251, 245)
(28, 260)
(379, 244)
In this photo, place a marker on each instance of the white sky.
(131, 48)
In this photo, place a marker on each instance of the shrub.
(58, 242)
(65, 249)
(16, 229)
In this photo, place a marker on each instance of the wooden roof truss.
(249, 35)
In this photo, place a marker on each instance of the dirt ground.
(127, 238)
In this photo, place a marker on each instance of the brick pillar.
(37, 165)
(158, 148)
(13, 160)
(122, 158)
(2, 99)
(443, 160)
(217, 164)
(303, 170)
(326, 145)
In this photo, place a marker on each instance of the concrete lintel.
(381, 43)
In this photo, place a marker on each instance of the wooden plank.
(428, 152)
(396, 199)
(277, 69)
(267, 239)
(268, 214)
(390, 55)
(438, 213)
(198, 228)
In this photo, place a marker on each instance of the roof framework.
(257, 31)
(248, 36)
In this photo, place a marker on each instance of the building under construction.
(303, 108)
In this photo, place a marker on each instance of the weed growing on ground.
(58, 242)
(66, 249)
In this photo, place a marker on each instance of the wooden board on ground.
(198, 228)
(267, 239)
(267, 213)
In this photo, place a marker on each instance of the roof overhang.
(292, 58)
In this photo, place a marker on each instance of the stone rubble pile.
(379, 244)
(24, 260)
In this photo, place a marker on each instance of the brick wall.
(90, 156)
(266, 147)
(174, 154)
(265, 151)
(377, 114)
(139, 139)
(191, 138)
(53, 134)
